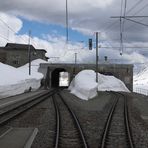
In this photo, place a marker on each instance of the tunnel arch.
(55, 77)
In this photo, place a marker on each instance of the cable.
(141, 9)
(5, 38)
(134, 6)
(10, 28)
(136, 22)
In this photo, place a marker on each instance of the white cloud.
(56, 46)
(85, 16)
(7, 31)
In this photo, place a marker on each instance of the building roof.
(18, 46)
(22, 46)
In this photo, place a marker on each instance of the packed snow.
(140, 82)
(17, 80)
(85, 87)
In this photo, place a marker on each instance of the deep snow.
(140, 82)
(17, 80)
(85, 87)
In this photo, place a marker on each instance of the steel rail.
(17, 110)
(85, 145)
(126, 120)
(57, 122)
(108, 122)
(127, 124)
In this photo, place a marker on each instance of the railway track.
(117, 133)
(69, 133)
(13, 110)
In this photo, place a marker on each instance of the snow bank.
(85, 87)
(140, 82)
(16, 80)
(110, 83)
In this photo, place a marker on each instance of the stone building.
(17, 55)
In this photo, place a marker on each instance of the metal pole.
(97, 57)
(75, 59)
(67, 22)
(29, 53)
(75, 63)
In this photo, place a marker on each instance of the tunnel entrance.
(59, 78)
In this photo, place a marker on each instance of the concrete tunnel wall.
(123, 72)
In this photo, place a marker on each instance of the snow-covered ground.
(140, 82)
(17, 80)
(85, 87)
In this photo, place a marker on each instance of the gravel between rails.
(137, 108)
(42, 117)
(69, 136)
(92, 114)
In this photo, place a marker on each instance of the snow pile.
(140, 82)
(34, 69)
(16, 80)
(85, 87)
(110, 83)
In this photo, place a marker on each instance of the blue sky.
(84, 17)
(39, 29)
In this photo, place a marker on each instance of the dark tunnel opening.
(56, 77)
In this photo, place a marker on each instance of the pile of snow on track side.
(16, 80)
(110, 83)
(141, 79)
(85, 87)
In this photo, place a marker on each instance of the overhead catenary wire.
(146, 25)
(10, 28)
(5, 38)
(128, 11)
(125, 14)
(134, 16)
(25, 40)
(136, 4)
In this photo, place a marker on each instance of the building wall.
(2, 56)
(123, 72)
(19, 57)
(16, 57)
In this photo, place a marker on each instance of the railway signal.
(90, 44)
